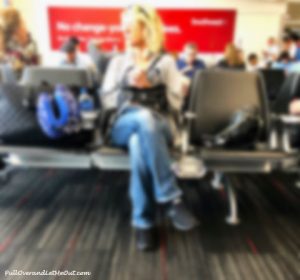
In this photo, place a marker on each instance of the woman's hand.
(138, 78)
(294, 107)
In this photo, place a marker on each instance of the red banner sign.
(210, 29)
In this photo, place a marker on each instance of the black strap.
(155, 61)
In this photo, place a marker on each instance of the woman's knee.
(147, 121)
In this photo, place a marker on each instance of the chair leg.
(216, 181)
(233, 217)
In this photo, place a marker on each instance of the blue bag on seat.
(20, 125)
(58, 113)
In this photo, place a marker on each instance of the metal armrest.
(287, 119)
(281, 132)
(185, 144)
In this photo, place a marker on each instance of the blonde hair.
(232, 55)
(154, 34)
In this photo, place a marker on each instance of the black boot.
(146, 239)
(181, 217)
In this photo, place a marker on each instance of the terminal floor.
(79, 220)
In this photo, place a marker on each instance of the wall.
(256, 19)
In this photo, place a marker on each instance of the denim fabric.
(145, 135)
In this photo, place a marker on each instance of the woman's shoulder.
(166, 61)
(168, 58)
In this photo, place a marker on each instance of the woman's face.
(133, 32)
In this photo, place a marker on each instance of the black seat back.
(34, 76)
(289, 90)
(273, 79)
(216, 95)
(100, 58)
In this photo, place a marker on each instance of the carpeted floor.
(79, 221)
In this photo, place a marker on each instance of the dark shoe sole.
(151, 245)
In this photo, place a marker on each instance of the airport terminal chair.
(215, 96)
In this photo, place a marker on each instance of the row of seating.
(215, 97)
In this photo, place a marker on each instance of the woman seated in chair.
(233, 58)
(143, 128)
(17, 48)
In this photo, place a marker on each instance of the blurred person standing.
(189, 63)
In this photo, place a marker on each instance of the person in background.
(297, 54)
(232, 58)
(17, 46)
(71, 55)
(73, 58)
(189, 63)
(253, 62)
(272, 51)
(144, 131)
(283, 62)
(289, 46)
(294, 66)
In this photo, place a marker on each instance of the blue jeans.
(146, 137)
